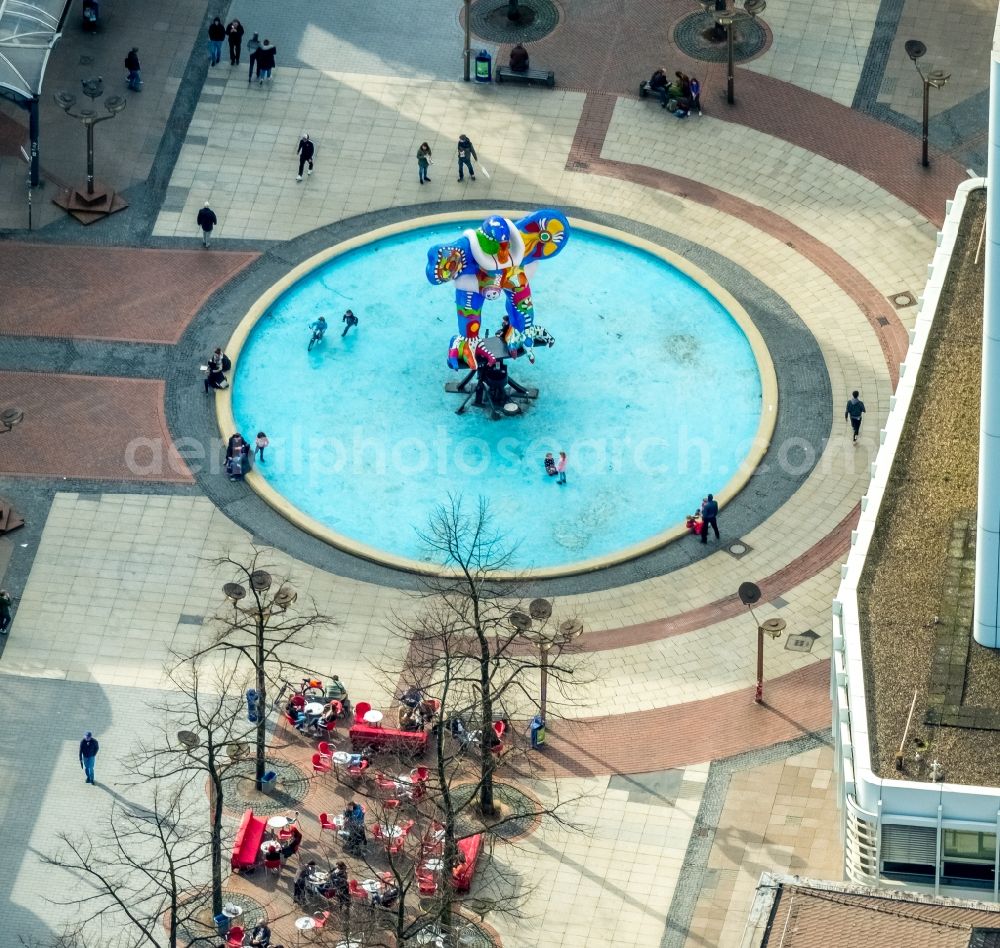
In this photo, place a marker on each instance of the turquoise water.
(651, 389)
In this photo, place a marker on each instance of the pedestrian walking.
(561, 467)
(259, 445)
(253, 45)
(134, 80)
(5, 604)
(351, 320)
(855, 409)
(216, 36)
(423, 160)
(306, 151)
(466, 152)
(206, 221)
(88, 754)
(709, 517)
(234, 33)
(265, 61)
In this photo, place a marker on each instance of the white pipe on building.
(986, 629)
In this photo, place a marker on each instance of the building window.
(969, 858)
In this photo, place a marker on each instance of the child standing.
(561, 468)
(423, 160)
(696, 94)
(259, 445)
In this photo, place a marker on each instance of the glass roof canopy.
(28, 31)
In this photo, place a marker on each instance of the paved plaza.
(805, 200)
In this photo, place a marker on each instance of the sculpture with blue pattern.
(499, 257)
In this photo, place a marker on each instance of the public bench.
(463, 873)
(530, 77)
(387, 738)
(246, 846)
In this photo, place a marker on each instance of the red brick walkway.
(88, 427)
(824, 552)
(114, 293)
(585, 155)
(609, 49)
(691, 733)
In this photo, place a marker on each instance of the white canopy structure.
(28, 31)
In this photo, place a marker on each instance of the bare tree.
(262, 629)
(203, 735)
(493, 644)
(144, 870)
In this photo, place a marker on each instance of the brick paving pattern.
(824, 205)
(121, 294)
(87, 427)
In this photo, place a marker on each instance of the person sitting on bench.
(658, 85)
(519, 59)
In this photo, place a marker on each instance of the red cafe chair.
(325, 750)
(356, 891)
(357, 770)
(419, 774)
(320, 919)
(235, 936)
(360, 710)
(321, 765)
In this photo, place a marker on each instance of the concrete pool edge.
(225, 418)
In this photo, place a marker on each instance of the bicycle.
(317, 336)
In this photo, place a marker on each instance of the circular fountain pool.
(658, 388)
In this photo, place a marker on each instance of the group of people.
(262, 55)
(240, 456)
(682, 95)
(415, 712)
(319, 325)
(466, 154)
(215, 371)
(704, 518)
(554, 468)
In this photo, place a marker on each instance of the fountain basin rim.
(310, 525)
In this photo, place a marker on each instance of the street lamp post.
(915, 49)
(726, 14)
(260, 611)
(540, 610)
(467, 74)
(749, 594)
(92, 200)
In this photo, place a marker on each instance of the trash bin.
(537, 732)
(252, 706)
(222, 924)
(269, 781)
(484, 66)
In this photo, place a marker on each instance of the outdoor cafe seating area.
(361, 818)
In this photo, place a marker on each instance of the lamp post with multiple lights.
(915, 49)
(726, 15)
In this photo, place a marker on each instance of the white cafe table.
(373, 717)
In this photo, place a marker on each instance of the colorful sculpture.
(498, 258)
